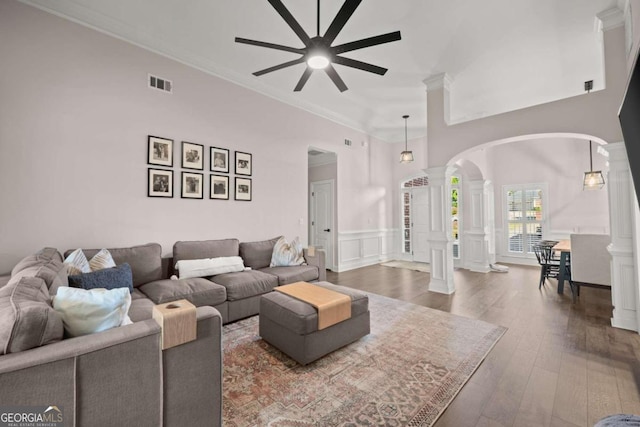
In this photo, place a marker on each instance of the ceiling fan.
(318, 52)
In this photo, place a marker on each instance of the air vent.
(348, 142)
(160, 84)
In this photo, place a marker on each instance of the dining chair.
(549, 265)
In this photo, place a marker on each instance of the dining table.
(564, 247)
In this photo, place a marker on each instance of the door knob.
(328, 230)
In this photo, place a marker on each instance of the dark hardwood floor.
(559, 364)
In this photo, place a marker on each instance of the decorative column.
(476, 237)
(624, 290)
(440, 238)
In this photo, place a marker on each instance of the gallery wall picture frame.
(243, 189)
(192, 184)
(244, 165)
(192, 155)
(219, 160)
(160, 183)
(160, 151)
(219, 187)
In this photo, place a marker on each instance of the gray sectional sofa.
(121, 376)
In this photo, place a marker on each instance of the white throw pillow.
(88, 311)
(287, 254)
(209, 266)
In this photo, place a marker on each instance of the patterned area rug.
(404, 373)
(418, 266)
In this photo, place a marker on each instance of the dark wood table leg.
(563, 267)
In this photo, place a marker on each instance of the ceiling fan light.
(318, 61)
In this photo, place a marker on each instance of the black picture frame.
(244, 164)
(192, 185)
(243, 189)
(219, 160)
(192, 156)
(159, 183)
(159, 151)
(218, 187)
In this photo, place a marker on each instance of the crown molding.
(438, 81)
(609, 19)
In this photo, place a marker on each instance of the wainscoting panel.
(362, 248)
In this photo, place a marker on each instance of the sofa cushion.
(141, 306)
(205, 249)
(107, 278)
(257, 255)
(197, 291)
(87, 311)
(292, 274)
(26, 317)
(145, 261)
(45, 264)
(246, 284)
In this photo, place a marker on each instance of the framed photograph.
(243, 163)
(192, 156)
(160, 183)
(243, 189)
(219, 188)
(160, 151)
(192, 185)
(219, 160)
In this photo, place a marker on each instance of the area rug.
(404, 373)
(418, 266)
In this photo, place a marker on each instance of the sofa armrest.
(318, 259)
(121, 366)
(193, 375)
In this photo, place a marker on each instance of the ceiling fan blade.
(340, 20)
(269, 45)
(348, 62)
(370, 41)
(333, 74)
(279, 67)
(303, 79)
(291, 21)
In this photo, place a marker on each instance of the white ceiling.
(500, 54)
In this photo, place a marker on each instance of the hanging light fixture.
(593, 180)
(406, 156)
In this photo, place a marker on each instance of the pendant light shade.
(593, 180)
(406, 156)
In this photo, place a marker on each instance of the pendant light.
(593, 180)
(406, 156)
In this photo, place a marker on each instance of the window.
(407, 223)
(525, 217)
(455, 222)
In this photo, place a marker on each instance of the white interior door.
(322, 209)
(420, 224)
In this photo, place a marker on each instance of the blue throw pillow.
(108, 278)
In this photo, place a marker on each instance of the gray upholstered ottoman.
(291, 325)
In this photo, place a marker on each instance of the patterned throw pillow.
(287, 254)
(101, 260)
(77, 262)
